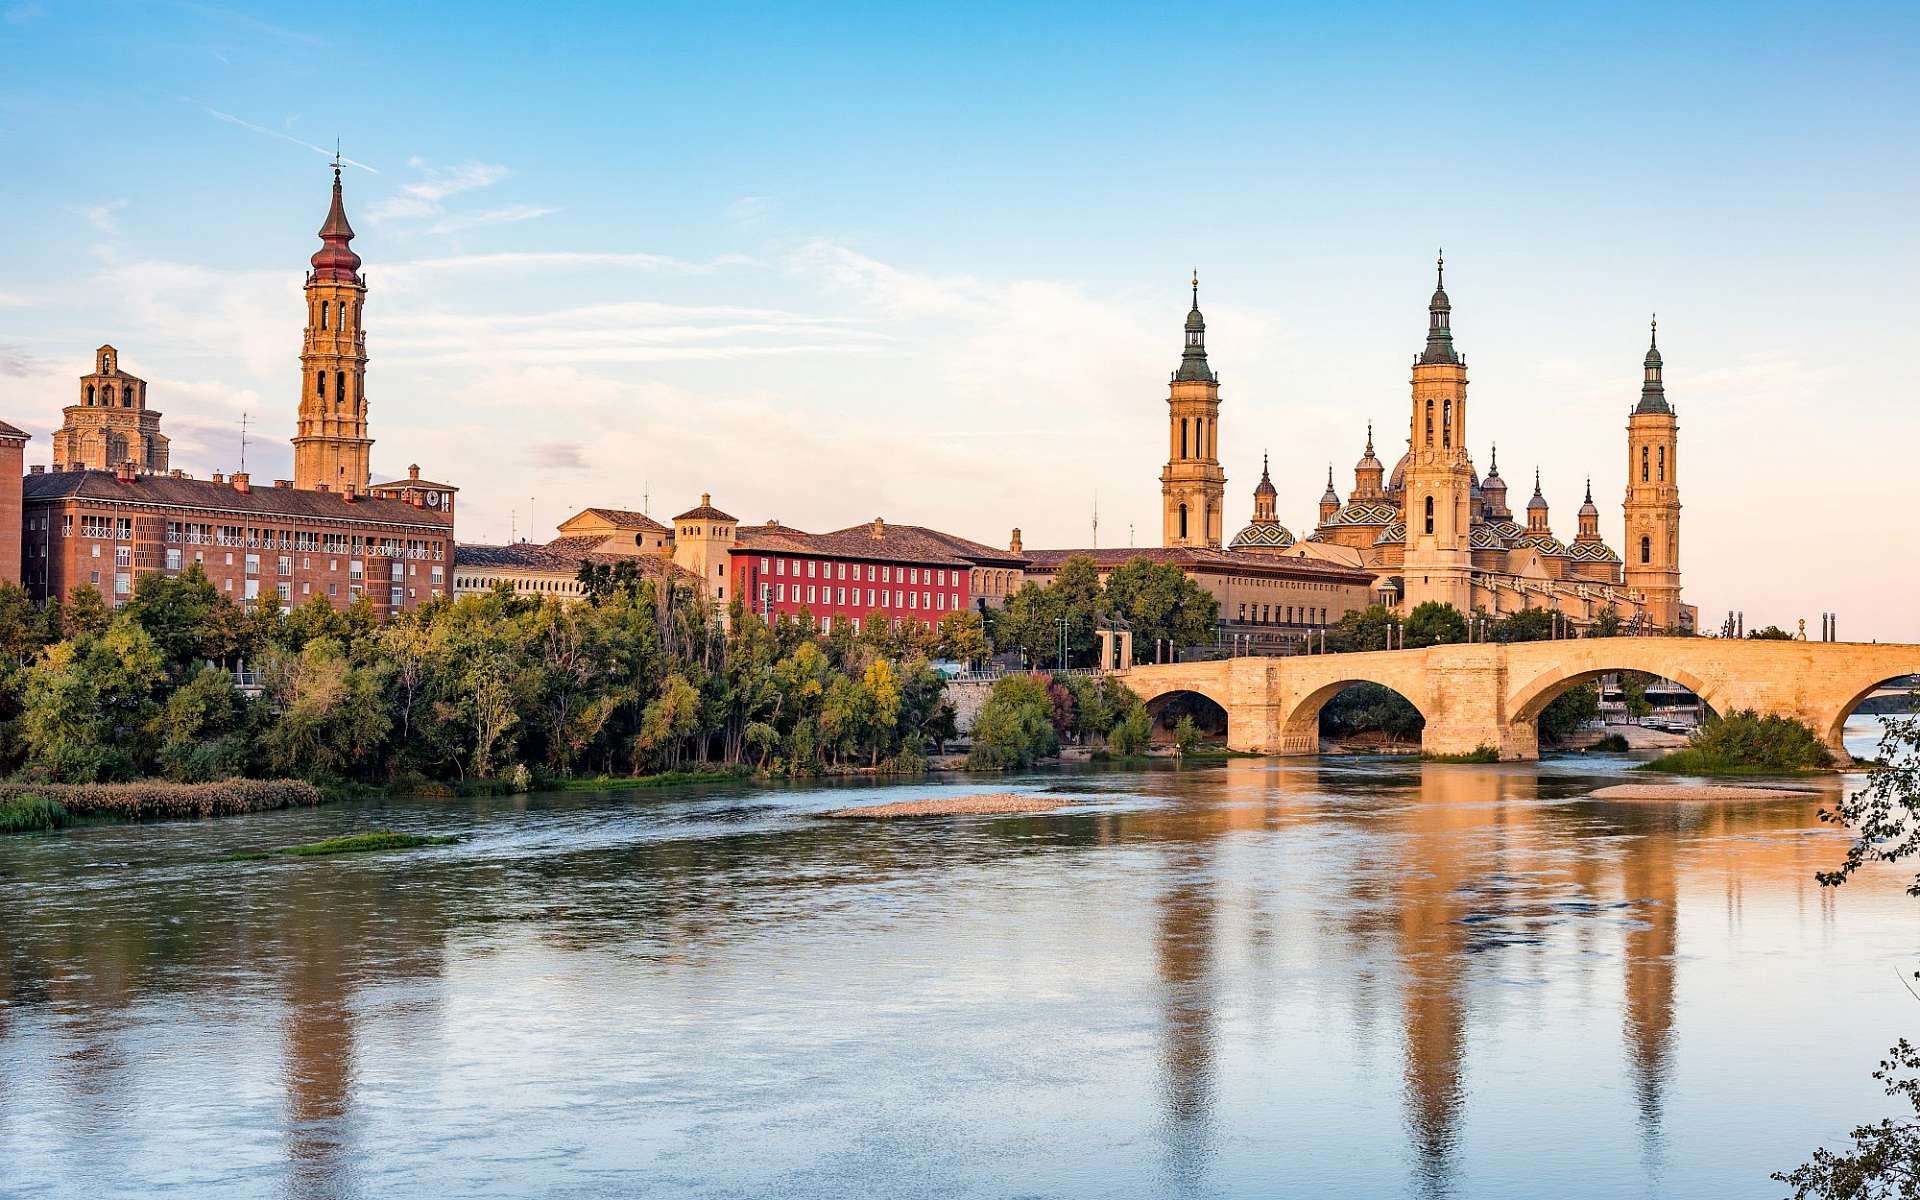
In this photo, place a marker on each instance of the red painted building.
(104, 529)
(13, 444)
(903, 572)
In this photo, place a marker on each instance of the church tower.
(1192, 485)
(331, 446)
(1653, 496)
(1439, 481)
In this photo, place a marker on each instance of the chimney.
(1014, 545)
(413, 471)
(347, 492)
(125, 473)
(321, 487)
(243, 483)
(36, 469)
(879, 529)
(706, 499)
(219, 478)
(283, 483)
(176, 473)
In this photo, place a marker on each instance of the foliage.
(1772, 633)
(1369, 707)
(1607, 624)
(32, 814)
(1746, 742)
(361, 843)
(1633, 693)
(1569, 712)
(644, 677)
(1613, 743)
(963, 638)
(1159, 602)
(137, 801)
(1363, 629)
(1186, 735)
(1131, 733)
(1526, 625)
(1884, 816)
(1156, 600)
(1884, 1159)
(1015, 727)
(1433, 623)
(624, 783)
(1479, 754)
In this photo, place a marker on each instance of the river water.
(1257, 978)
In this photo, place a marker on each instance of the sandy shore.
(949, 806)
(1679, 791)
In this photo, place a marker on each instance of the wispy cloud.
(230, 119)
(104, 217)
(18, 363)
(558, 456)
(492, 216)
(425, 197)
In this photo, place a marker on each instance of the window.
(393, 596)
(1183, 521)
(1446, 424)
(812, 597)
(1663, 464)
(253, 564)
(285, 591)
(1643, 464)
(252, 590)
(323, 314)
(1199, 437)
(1646, 549)
(780, 592)
(173, 558)
(286, 564)
(1429, 422)
(123, 556)
(763, 564)
(1429, 514)
(843, 595)
(780, 567)
(333, 589)
(122, 584)
(1183, 437)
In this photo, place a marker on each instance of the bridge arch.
(1300, 725)
(1161, 694)
(1831, 724)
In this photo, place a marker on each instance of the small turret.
(1439, 347)
(1653, 393)
(1537, 508)
(1494, 489)
(1368, 473)
(1329, 499)
(1193, 355)
(1589, 518)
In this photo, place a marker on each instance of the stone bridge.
(1491, 694)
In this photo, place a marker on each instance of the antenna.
(1096, 520)
(513, 527)
(243, 442)
(646, 498)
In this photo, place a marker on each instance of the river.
(1256, 978)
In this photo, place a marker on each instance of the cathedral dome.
(1262, 535)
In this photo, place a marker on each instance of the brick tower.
(1193, 487)
(110, 425)
(1653, 496)
(1439, 480)
(331, 446)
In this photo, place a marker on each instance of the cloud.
(492, 216)
(19, 364)
(425, 197)
(104, 218)
(561, 456)
(12, 300)
(420, 270)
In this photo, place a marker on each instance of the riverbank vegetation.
(643, 679)
(1028, 717)
(1746, 743)
(158, 799)
(32, 814)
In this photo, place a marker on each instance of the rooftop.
(267, 501)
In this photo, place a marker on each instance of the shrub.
(1015, 726)
(1745, 741)
(1186, 735)
(361, 843)
(136, 801)
(1130, 735)
(1569, 712)
(1613, 743)
(1479, 754)
(32, 814)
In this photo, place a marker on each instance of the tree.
(1186, 735)
(1131, 732)
(89, 704)
(1607, 624)
(1433, 623)
(1015, 725)
(86, 611)
(331, 716)
(1363, 629)
(1633, 694)
(1569, 712)
(669, 721)
(1884, 1160)
(1526, 625)
(1884, 816)
(1772, 633)
(200, 729)
(1159, 601)
(174, 610)
(963, 638)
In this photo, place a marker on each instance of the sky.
(930, 262)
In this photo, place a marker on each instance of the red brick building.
(902, 571)
(104, 529)
(13, 445)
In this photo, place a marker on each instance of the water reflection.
(1199, 980)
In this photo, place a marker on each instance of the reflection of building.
(111, 425)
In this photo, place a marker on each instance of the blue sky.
(928, 262)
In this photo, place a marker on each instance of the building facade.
(13, 446)
(104, 529)
(110, 425)
(853, 575)
(1193, 487)
(331, 449)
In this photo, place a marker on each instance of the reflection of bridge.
(1490, 694)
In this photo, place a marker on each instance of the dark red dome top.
(335, 259)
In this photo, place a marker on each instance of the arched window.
(1646, 549)
(1663, 464)
(320, 384)
(89, 395)
(323, 314)
(1446, 424)
(126, 396)
(1183, 437)
(106, 395)
(1183, 520)
(1199, 437)
(1429, 423)
(1643, 464)
(1429, 514)
(339, 387)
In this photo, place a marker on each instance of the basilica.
(1432, 528)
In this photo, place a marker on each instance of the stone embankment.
(1700, 793)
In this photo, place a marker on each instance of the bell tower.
(1193, 487)
(331, 446)
(1653, 496)
(1439, 480)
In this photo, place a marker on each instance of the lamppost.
(1062, 623)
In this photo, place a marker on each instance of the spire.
(1588, 508)
(1539, 500)
(1493, 462)
(1193, 357)
(1439, 316)
(1653, 393)
(335, 259)
(1265, 486)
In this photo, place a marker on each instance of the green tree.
(1883, 816)
(669, 721)
(1526, 625)
(86, 611)
(1186, 735)
(963, 638)
(332, 720)
(1015, 725)
(1159, 601)
(1433, 623)
(1362, 629)
(89, 705)
(201, 729)
(1633, 694)
(1607, 624)
(1772, 633)
(1131, 732)
(1883, 1162)
(1569, 712)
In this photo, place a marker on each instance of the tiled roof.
(1366, 512)
(1267, 534)
(8, 431)
(896, 543)
(954, 544)
(560, 556)
(625, 518)
(416, 483)
(704, 511)
(1592, 552)
(1193, 558)
(165, 490)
